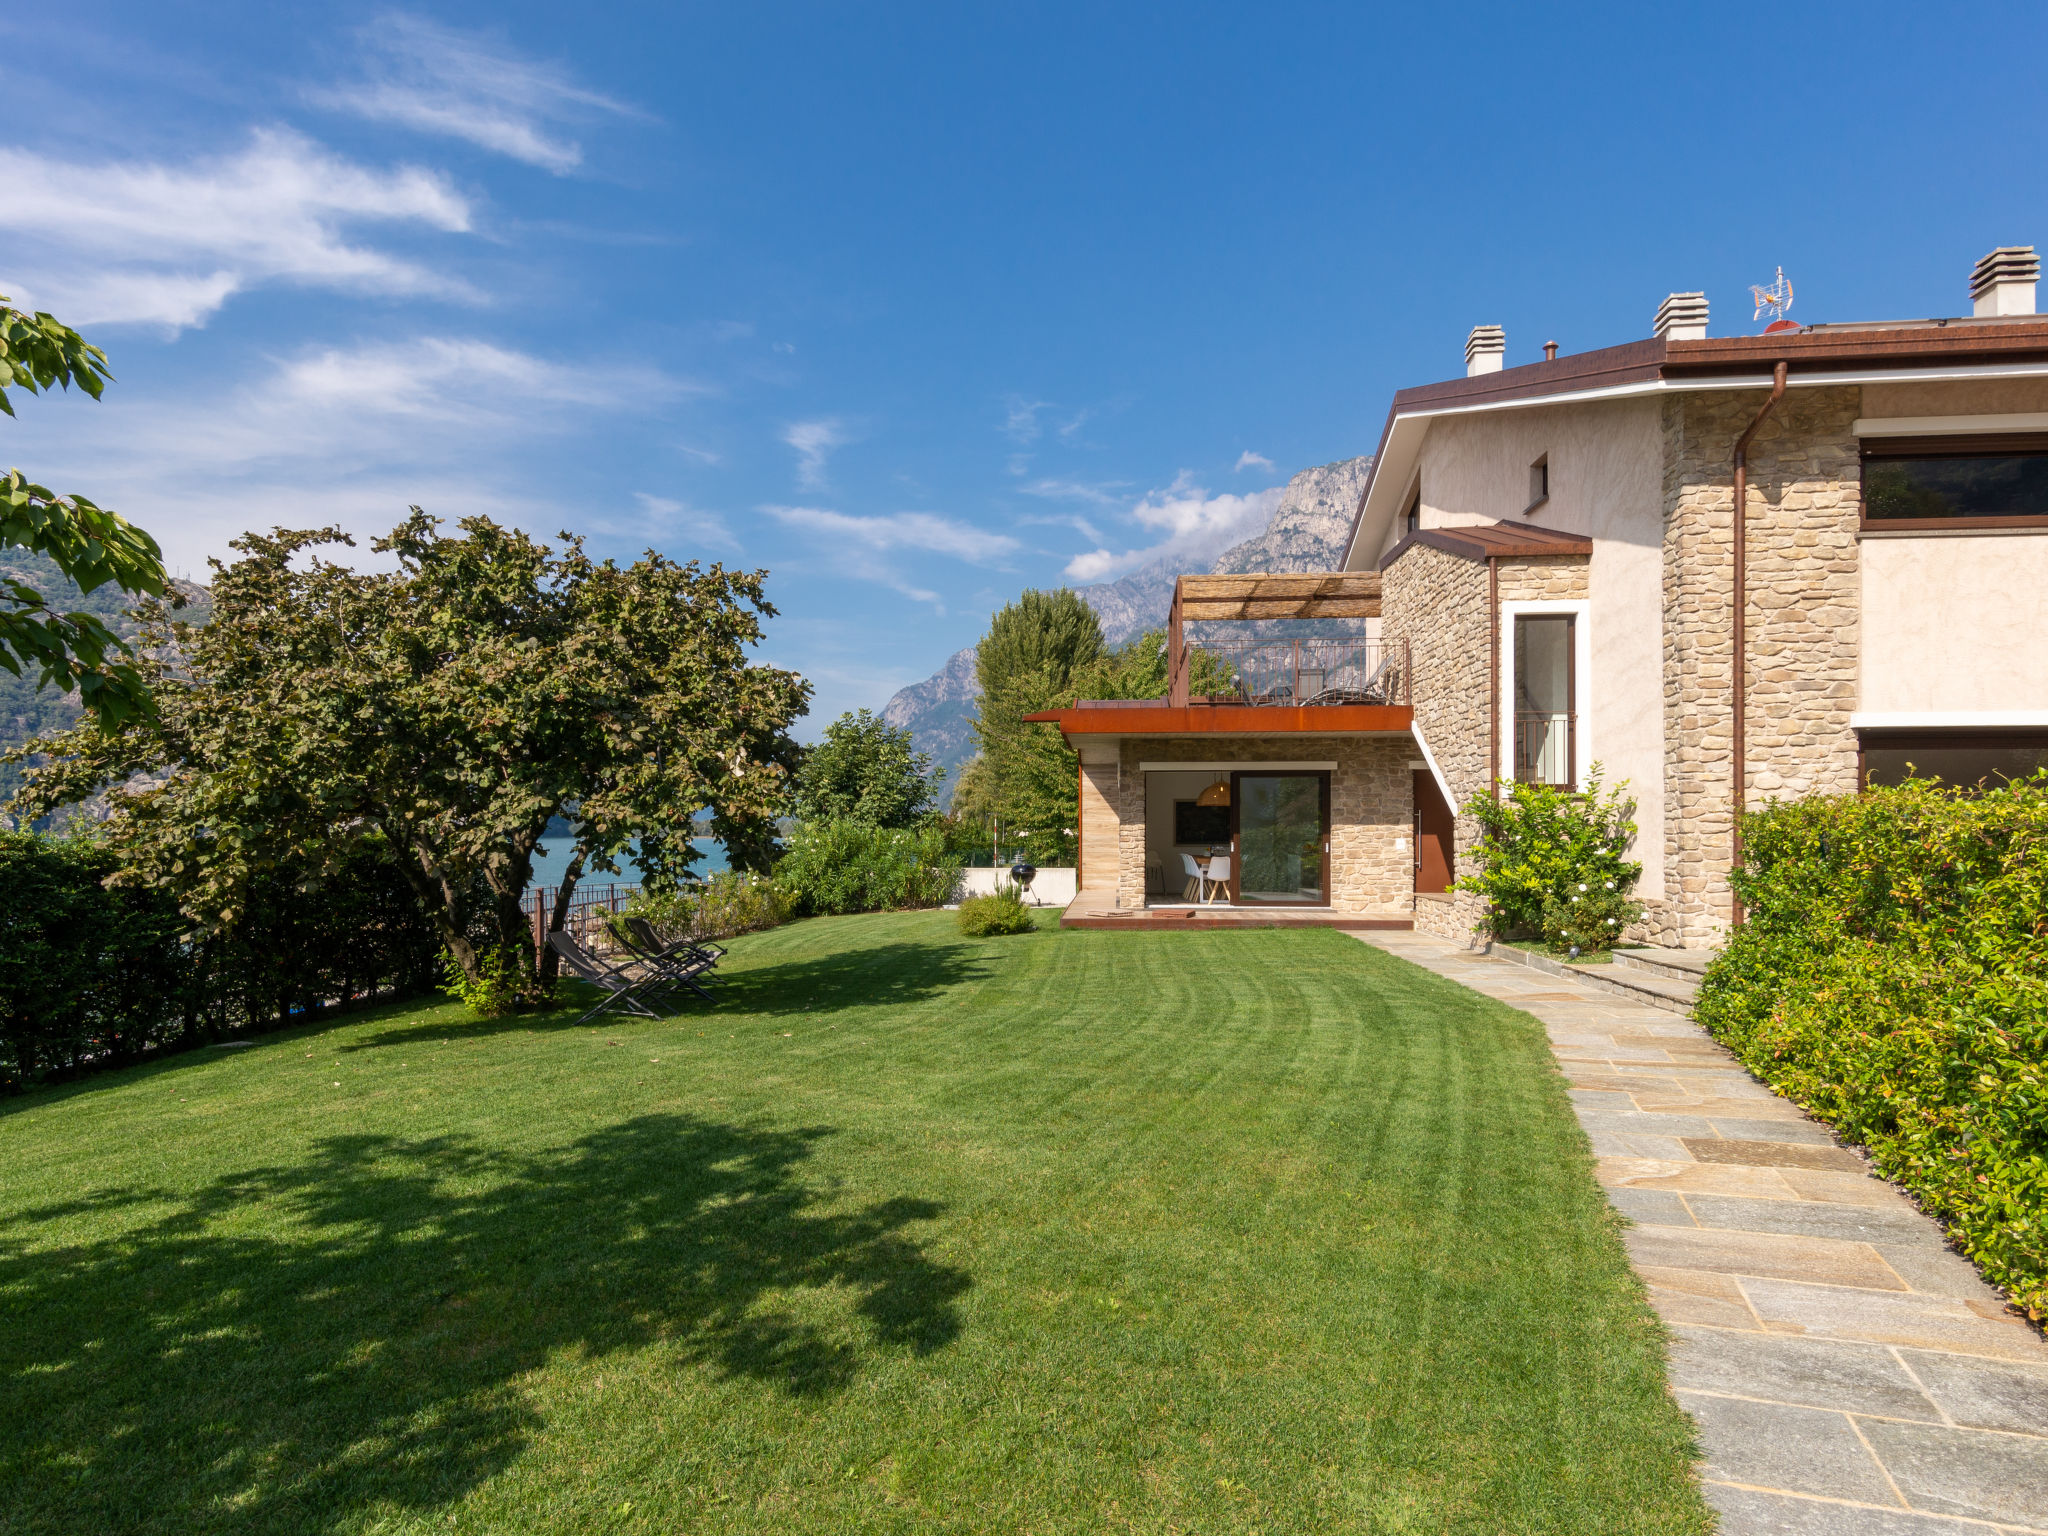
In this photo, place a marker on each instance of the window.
(1966, 758)
(1414, 517)
(1955, 482)
(1539, 484)
(1543, 698)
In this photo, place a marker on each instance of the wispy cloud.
(1080, 525)
(1102, 493)
(1250, 460)
(1195, 527)
(1020, 418)
(434, 79)
(814, 442)
(147, 242)
(345, 434)
(668, 519)
(925, 531)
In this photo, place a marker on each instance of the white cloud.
(902, 530)
(1105, 493)
(152, 243)
(666, 518)
(1196, 526)
(1020, 420)
(1250, 460)
(349, 435)
(814, 442)
(433, 79)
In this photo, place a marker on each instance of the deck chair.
(644, 937)
(624, 992)
(681, 965)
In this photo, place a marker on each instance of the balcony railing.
(1309, 672)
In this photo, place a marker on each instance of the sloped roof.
(1318, 595)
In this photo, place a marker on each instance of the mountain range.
(1307, 533)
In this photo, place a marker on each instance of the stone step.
(1674, 964)
(1638, 986)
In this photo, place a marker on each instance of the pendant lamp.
(1216, 794)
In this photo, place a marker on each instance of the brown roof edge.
(1504, 540)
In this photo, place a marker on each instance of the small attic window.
(1539, 484)
(1413, 519)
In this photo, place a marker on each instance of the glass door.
(1281, 838)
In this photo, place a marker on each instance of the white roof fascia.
(1795, 380)
(1950, 719)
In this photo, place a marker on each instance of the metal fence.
(590, 907)
(1313, 672)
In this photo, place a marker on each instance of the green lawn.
(1220, 1232)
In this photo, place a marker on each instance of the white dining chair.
(1192, 891)
(1219, 876)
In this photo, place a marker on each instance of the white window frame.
(1581, 612)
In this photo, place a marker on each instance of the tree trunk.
(551, 963)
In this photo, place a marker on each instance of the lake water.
(550, 859)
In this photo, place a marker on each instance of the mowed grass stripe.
(1074, 1231)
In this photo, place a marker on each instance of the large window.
(1543, 698)
(1955, 482)
(1965, 758)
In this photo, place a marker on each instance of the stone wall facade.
(1099, 832)
(1371, 868)
(1437, 602)
(1803, 611)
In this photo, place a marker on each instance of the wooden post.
(1176, 653)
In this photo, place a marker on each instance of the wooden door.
(1435, 836)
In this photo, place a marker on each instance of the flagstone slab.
(1983, 1394)
(1881, 1317)
(1964, 1472)
(1798, 1450)
(1817, 1260)
(1818, 1373)
(1774, 1154)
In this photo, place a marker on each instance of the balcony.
(1312, 674)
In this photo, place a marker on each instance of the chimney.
(1485, 349)
(2003, 282)
(1682, 317)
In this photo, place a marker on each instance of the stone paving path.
(1848, 1371)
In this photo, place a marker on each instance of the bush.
(831, 867)
(727, 904)
(1003, 912)
(505, 981)
(1590, 918)
(1541, 844)
(1892, 977)
(93, 975)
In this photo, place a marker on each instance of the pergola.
(1246, 598)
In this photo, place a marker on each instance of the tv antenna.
(1777, 298)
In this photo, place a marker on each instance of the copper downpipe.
(1493, 678)
(1738, 758)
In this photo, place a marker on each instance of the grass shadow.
(304, 1347)
(879, 976)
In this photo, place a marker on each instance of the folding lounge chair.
(624, 992)
(681, 965)
(646, 939)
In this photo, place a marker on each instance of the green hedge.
(92, 975)
(1892, 977)
(830, 867)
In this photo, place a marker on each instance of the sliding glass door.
(1282, 838)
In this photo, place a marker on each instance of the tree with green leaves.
(455, 703)
(866, 771)
(74, 652)
(1041, 655)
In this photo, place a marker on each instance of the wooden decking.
(1098, 909)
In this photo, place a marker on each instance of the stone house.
(1547, 568)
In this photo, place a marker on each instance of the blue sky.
(920, 305)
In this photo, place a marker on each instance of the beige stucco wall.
(1954, 622)
(1371, 808)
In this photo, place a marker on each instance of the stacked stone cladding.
(1544, 579)
(1371, 869)
(1803, 613)
(1437, 602)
